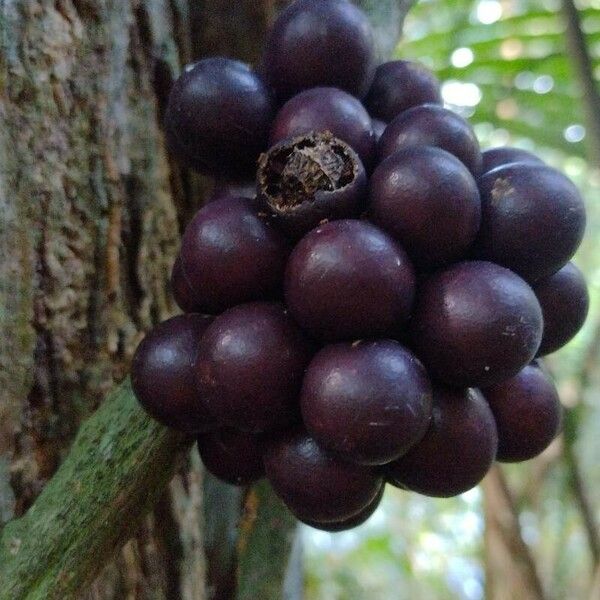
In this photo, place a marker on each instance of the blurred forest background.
(526, 73)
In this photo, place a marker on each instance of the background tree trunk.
(91, 213)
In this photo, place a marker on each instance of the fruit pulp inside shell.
(294, 173)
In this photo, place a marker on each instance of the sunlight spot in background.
(524, 80)
(530, 531)
(462, 57)
(499, 137)
(511, 49)
(465, 578)
(473, 589)
(507, 109)
(543, 84)
(488, 11)
(472, 497)
(457, 93)
(574, 133)
(575, 166)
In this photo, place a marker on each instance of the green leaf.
(508, 56)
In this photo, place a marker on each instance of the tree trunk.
(91, 211)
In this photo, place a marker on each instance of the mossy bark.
(115, 472)
(91, 211)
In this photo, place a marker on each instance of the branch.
(502, 518)
(595, 592)
(582, 63)
(118, 467)
(570, 430)
(579, 490)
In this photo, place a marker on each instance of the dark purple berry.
(250, 366)
(565, 302)
(347, 280)
(308, 179)
(182, 291)
(533, 219)
(427, 200)
(231, 254)
(362, 517)
(475, 324)
(327, 109)
(366, 402)
(528, 414)
(457, 450)
(431, 125)
(498, 157)
(378, 128)
(233, 456)
(218, 117)
(320, 43)
(399, 85)
(163, 376)
(314, 485)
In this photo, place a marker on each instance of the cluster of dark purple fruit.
(379, 296)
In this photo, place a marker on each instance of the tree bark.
(92, 208)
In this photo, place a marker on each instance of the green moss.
(116, 470)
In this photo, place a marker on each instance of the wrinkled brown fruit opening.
(292, 174)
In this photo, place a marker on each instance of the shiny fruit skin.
(399, 85)
(163, 376)
(366, 402)
(505, 155)
(475, 324)
(231, 254)
(320, 43)
(181, 289)
(527, 412)
(362, 517)
(250, 366)
(327, 109)
(232, 456)
(565, 303)
(348, 280)
(428, 201)
(533, 219)
(315, 485)
(432, 125)
(218, 117)
(457, 450)
(378, 128)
